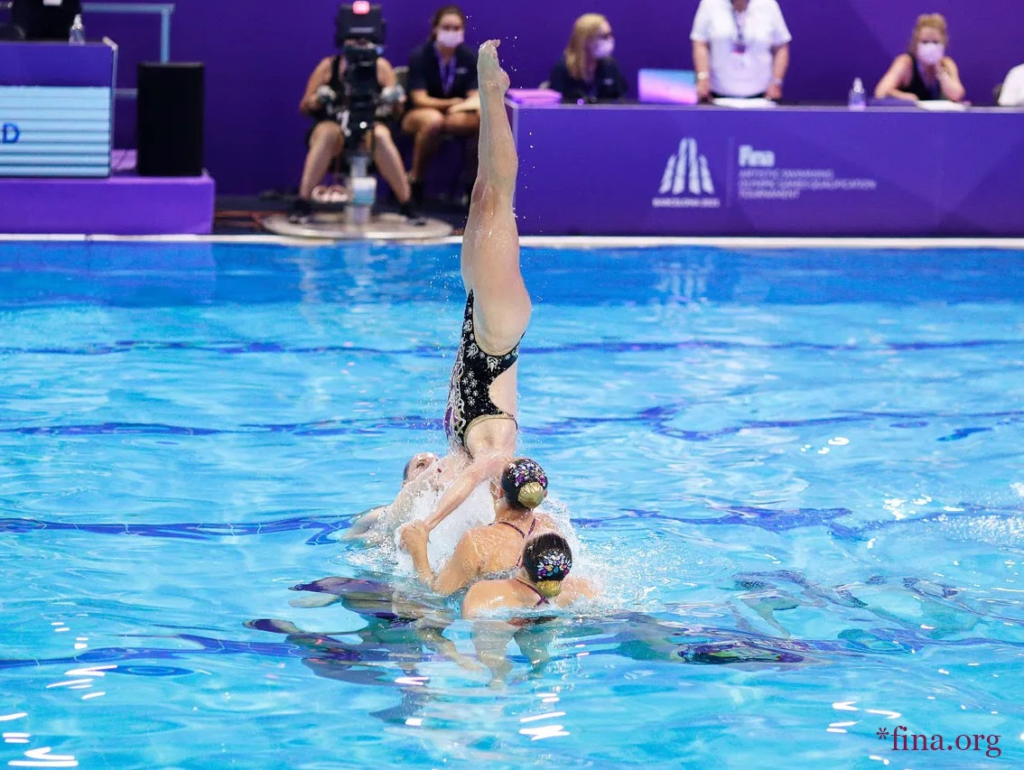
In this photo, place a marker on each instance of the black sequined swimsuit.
(469, 393)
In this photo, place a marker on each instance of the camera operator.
(325, 101)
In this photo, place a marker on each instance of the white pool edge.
(565, 242)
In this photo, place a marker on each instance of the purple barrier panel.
(124, 204)
(56, 64)
(982, 165)
(638, 170)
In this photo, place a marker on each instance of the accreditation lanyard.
(739, 45)
(447, 72)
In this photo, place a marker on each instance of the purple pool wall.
(259, 54)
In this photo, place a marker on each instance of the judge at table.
(740, 49)
(587, 73)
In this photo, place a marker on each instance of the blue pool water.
(798, 475)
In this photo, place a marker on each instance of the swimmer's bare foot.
(492, 78)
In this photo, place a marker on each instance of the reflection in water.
(403, 638)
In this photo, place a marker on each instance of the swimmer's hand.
(414, 536)
(489, 72)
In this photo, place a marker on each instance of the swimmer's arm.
(401, 507)
(470, 478)
(363, 524)
(462, 567)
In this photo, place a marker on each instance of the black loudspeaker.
(170, 119)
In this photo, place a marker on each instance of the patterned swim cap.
(547, 557)
(524, 483)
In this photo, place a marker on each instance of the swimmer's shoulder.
(575, 589)
(486, 596)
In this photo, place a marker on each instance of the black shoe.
(301, 213)
(409, 211)
(416, 188)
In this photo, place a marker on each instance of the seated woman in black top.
(442, 90)
(323, 101)
(925, 73)
(587, 72)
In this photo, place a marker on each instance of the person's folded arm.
(889, 85)
(420, 98)
(949, 81)
(321, 76)
(470, 104)
(386, 77)
(418, 93)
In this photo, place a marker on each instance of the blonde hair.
(532, 494)
(934, 20)
(583, 30)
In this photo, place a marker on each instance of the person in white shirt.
(1012, 92)
(740, 49)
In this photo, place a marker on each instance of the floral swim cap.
(524, 483)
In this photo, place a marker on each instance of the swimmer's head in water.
(417, 465)
(524, 484)
(547, 560)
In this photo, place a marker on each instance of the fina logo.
(751, 158)
(687, 174)
(9, 134)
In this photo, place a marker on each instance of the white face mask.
(930, 53)
(602, 49)
(450, 38)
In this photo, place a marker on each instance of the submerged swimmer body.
(542, 581)
(495, 548)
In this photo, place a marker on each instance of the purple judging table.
(680, 171)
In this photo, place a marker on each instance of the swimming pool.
(797, 472)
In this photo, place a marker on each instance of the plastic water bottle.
(77, 35)
(858, 98)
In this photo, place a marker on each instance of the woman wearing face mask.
(740, 49)
(924, 73)
(442, 91)
(587, 72)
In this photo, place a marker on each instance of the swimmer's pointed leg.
(490, 246)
